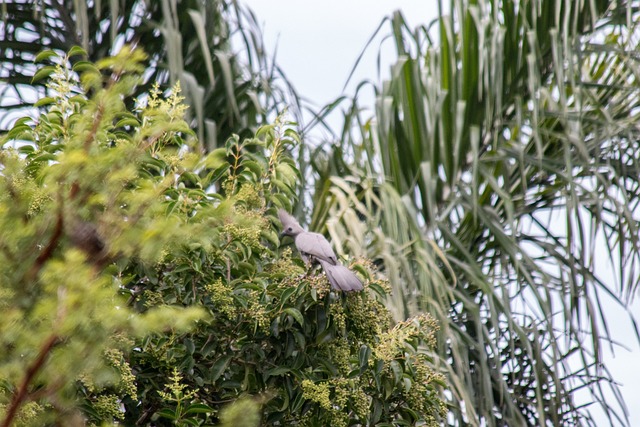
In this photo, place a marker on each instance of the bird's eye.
(290, 229)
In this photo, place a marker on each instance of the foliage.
(214, 48)
(497, 185)
(143, 282)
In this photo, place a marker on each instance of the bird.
(314, 247)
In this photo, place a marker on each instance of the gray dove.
(315, 247)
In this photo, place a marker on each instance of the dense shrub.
(144, 283)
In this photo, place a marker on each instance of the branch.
(48, 251)
(94, 129)
(21, 394)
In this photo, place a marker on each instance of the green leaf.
(397, 371)
(85, 66)
(44, 101)
(44, 55)
(271, 236)
(77, 50)
(295, 313)
(254, 167)
(190, 346)
(43, 73)
(198, 408)
(363, 357)
(297, 403)
(17, 131)
(219, 367)
(277, 372)
(129, 121)
(22, 121)
(78, 99)
(167, 413)
(26, 149)
(286, 294)
(376, 413)
(216, 159)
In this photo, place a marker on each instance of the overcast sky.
(318, 42)
(317, 45)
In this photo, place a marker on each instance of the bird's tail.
(341, 278)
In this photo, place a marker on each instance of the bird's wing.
(317, 246)
(341, 278)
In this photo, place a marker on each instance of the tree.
(143, 282)
(213, 48)
(496, 177)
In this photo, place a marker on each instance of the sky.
(318, 42)
(317, 45)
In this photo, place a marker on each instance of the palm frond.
(214, 48)
(500, 166)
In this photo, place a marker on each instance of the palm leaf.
(214, 48)
(497, 163)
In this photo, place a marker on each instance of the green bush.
(144, 283)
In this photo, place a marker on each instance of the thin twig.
(21, 394)
(48, 250)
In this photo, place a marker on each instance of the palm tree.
(495, 178)
(214, 48)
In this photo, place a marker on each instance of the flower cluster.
(285, 267)
(320, 285)
(369, 317)
(339, 352)
(221, 297)
(127, 379)
(108, 407)
(317, 392)
(152, 298)
(257, 312)
(422, 395)
(176, 389)
(392, 344)
(172, 108)
(249, 197)
(247, 235)
(27, 415)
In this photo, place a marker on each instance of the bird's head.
(290, 226)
